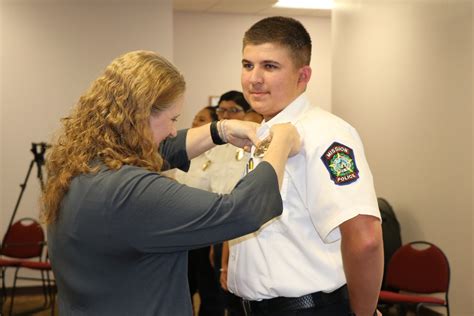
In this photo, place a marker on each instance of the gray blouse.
(120, 244)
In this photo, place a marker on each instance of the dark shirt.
(120, 244)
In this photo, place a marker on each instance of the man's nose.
(256, 76)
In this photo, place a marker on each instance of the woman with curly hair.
(118, 231)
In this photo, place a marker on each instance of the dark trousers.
(335, 303)
(329, 310)
(202, 279)
(234, 305)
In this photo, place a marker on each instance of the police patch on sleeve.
(340, 162)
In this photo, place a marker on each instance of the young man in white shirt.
(324, 254)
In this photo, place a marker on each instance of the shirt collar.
(292, 113)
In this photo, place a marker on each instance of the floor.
(33, 305)
(26, 305)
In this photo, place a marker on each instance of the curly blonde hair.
(110, 124)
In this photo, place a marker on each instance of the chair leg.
(45, 289)
(49, 289)
(418, 307)
(402, 310)
(13, 290)
(51, 292)
(4, 290)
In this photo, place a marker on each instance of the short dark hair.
(237, 97)
(284, 31)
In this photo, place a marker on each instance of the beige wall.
(402, 75)
(50, 53)
(401, 78)
(207, 49)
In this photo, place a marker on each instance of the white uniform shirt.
(327, 183)
(227, 167)
(217, 170)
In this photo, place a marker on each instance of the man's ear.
(304, 74)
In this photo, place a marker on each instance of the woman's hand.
(287, 134)
(285, 142)
(239, 133)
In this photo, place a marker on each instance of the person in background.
(232, 105)
(119, 231)
(253, 116)
(218, 170)
(324, 255)
(234, 303)
(229, 167)
(205, 115)
(201, 274)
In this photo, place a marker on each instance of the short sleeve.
(339, 182)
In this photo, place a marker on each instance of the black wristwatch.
(216, 138)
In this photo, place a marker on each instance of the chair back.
(392, 238)
(419, 267)
(24, 239)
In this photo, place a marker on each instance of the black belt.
(283, 304)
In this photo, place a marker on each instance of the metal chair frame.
(23, 246)
(417, 272)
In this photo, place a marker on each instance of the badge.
(340, 162)
(262, 147)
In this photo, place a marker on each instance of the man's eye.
(270, 66)
(247, 66)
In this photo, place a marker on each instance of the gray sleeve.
(161, 215)
(173, 151)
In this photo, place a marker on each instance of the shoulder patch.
(340, 162)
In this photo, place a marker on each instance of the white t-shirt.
(324, 185)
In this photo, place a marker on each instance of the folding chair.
(22, 242)
(415, 271)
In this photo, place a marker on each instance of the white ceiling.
(257, 7)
